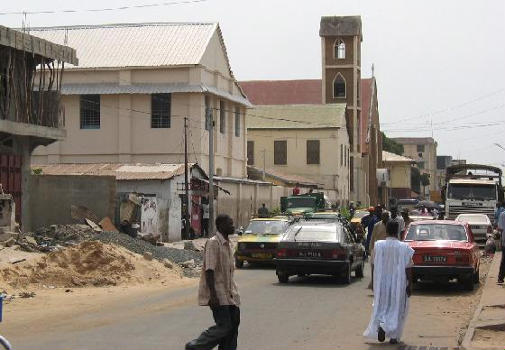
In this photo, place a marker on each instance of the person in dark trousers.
(218, 291)
(501, 229)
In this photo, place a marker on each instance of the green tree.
(415, 180)
(425, 180)
(390, 145)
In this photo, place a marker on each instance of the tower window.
(339, 86)
(340, 49)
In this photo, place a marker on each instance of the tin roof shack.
(30, 113)
(157, 190)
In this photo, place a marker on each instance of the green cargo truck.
(302, 204)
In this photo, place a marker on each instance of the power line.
(106, 9)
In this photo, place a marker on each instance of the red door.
(10, 178)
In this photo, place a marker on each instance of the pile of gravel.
(140, 246)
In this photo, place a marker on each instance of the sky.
(439, 64)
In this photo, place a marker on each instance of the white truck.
(472, 189)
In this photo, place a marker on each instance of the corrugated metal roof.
(296, 116)
(111, 89)
(133, 45)
(392, 157)
(120, 171)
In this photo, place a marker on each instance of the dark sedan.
(319, 247)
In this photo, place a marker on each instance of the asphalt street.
(313, 312)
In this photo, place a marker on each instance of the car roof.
(438, 222)
(474, 215)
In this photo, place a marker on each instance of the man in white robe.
(392, 286)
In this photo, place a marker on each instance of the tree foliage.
(415, 179)
(390, 145)
(425, 179)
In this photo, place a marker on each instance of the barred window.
(222, 117)
(160, 110)
(280, 152)
(250, 152)
(90, 111)
(237, 121)
(313, 152)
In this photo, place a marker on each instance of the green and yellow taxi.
(259, 240)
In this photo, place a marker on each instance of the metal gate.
(10, 178)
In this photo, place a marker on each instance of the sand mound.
(90, 263)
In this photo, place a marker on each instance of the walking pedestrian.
(501, 229)
(392, 286)
(205, 218)
(500, 208)
(378, 233)
(399, 220)
(218, 291)
(371, 220)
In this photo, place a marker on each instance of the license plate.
(435, 259)
(309, 254)
(261, 255)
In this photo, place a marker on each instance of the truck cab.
(472, 189)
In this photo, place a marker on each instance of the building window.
(340, 49)
(160, 110)
(237, 121)
(250, 152)
(341, 155)
(208, 112)
(420, 148)
(222, 117)
(339, 86)
(420, 165)
(90, 111)
(280, 152)
(313, 152)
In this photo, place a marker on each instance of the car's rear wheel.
(359, 270)
(282, 276)
(239, 263)
(476, 277)
(467, 283)
(347, 274)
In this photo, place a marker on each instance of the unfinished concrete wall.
(52, 195)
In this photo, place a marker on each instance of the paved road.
(307, 313)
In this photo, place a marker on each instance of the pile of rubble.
(89, 263)
(55, 237)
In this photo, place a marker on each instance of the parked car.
(480, 225)
(319, 247)
(322, 215)
(259, 240)
(444, 250)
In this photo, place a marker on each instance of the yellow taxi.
(259, 240)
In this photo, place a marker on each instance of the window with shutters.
(237, 121)
(280, 152)
(250, 152)
(160, 111)
(90, 111)
(208, 112)
(313, 154)
(222, 117)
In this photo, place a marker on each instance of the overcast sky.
(439, 64)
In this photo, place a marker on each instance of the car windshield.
(472, 191)
(473, 218)
(266, 227)
(436, 232)
(301, 202)
(317, 232)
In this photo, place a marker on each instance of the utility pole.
(186, 182)
(210, 120)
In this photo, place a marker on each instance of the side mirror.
(240, 231)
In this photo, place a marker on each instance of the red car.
(444, 250)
